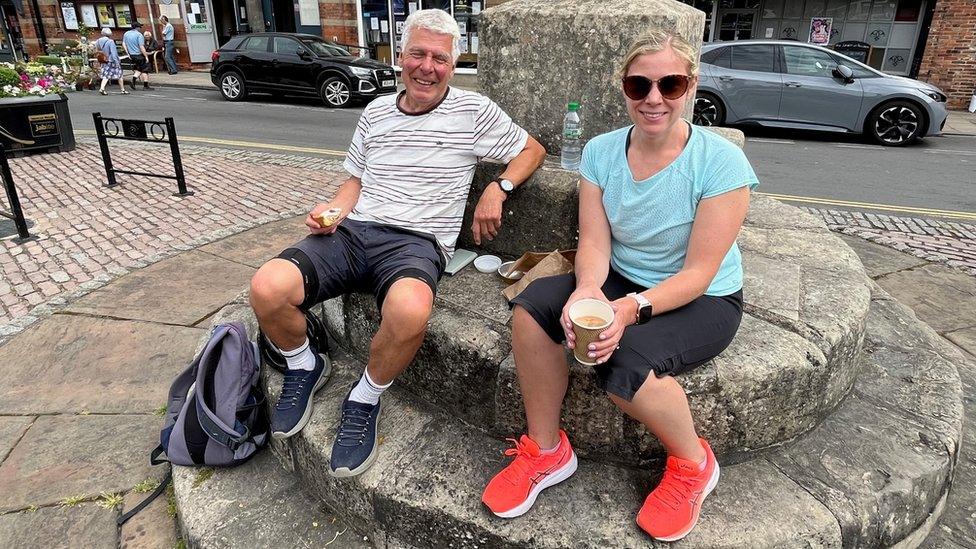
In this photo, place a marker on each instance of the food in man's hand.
(328, 218)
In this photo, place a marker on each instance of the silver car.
(786, 84)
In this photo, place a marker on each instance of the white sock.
(301, 358)
(368, 391)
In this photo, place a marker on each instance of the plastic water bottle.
(572, 137)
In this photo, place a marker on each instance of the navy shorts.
(671, 343)
(363, 257)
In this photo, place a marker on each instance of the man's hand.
(313, 224)
(488, 213)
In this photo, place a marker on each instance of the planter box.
(32, 125)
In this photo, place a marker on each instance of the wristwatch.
(644, 308)
(506, 186)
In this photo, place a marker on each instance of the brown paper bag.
(538, 265)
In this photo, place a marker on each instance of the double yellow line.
(948, 214)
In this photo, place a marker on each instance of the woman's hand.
(624, 314)
(581, 292)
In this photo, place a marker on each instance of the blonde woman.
(661, 203)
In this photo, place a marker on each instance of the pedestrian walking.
(110, 66)
(135, 45)
(169, 45)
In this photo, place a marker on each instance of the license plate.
(388, 83)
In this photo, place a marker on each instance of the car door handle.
(793, 84)
(726, 78)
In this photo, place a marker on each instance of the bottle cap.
(573, 106)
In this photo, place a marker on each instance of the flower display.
(34, 79)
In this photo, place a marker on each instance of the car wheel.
(896, 124)
(335, 92)
(708, 111)
(232, 86)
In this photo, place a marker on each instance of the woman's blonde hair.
(659, 40)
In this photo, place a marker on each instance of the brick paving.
(952, 243)
(89, 234)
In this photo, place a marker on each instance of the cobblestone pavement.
(948, 242)
(89, 234)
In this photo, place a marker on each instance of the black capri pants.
(671, 343)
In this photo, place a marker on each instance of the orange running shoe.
(671, 510)
(513, 490)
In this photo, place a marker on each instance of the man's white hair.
(434, 20)
(106, 31)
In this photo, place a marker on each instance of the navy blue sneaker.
(354, 449)
(294, 407)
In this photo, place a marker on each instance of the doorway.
(738, 24)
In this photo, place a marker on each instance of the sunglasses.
(672, 86)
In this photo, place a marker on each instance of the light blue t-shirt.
(650, 220)
(168, 32)
(131, 40)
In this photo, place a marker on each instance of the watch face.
(506, 185)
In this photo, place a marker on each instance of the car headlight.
(936, 96)
(361, 72)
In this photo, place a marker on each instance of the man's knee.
(407, 307)
(278, 283)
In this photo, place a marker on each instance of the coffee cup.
(590, 317)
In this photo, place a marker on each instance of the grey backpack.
(215, 415)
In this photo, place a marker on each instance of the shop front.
(381, 26)
(11, 39)
(890, 29)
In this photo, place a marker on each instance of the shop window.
(836, 9)
(908, 10)
(877, 58)
(883, 10)
(896, 60)
(754, 58)
(793, 8)
(772, 9)
(859, 10)
(878, 34)
(790, 30)
(815, 8)
(112, 15)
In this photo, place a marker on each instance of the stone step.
(874, 472)
(258, 504)
(793, 360)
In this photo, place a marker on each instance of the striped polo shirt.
(416, 169)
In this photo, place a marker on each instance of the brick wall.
(338, 19)
(950, 52)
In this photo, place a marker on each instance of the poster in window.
(105, 18)
(88, 16)
(820, 30)
(398, 7)
(123, 15)
(70, 17)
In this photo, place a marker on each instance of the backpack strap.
(211, 424)
(152, 497)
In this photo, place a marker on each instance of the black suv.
(297, 64)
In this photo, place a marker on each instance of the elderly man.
(135, 45)
(390, 230)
